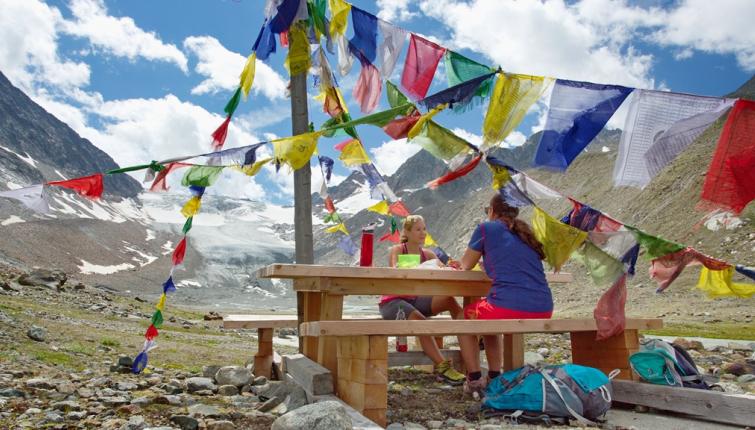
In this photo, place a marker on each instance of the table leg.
(263, 360)
(331, 309)
(513, 351)
(311, 312)
(606, 355)
(363, 375)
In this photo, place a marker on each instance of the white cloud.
(119, 36)
(222, 68)
(389, 156)
(29, 49)
(395, 10)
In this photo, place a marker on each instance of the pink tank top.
(422, 259)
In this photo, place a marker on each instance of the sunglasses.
(486, 209)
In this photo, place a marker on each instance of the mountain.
(665, 208)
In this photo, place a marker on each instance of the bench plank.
(259, 321)
(461, 327)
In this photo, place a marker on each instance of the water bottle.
(401, 344)
(365, 256)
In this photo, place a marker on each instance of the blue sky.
(148, 80)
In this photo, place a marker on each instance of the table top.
(299, 271)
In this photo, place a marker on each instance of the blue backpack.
(662, 363)
(562, 392)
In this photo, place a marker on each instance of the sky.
(148, 80)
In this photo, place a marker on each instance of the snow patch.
(13, 186)
(12, 220)
(257, 290)
(88, 268)
(150, 235)
(142, 258)
(168, 247)
(61, 175)
(361, 199)
(30, 161)
(725, 220)
(188, 283)
(605, 149)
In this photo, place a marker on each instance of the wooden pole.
(302, 186)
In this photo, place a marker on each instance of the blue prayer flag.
(747, 271)
(169, 286)
(365, 33)
(140, 362)
(577, 113)
(265, 43)
(326, 164)
(348, 246)
(285, 16)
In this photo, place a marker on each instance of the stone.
(395, 426)
(66, 388)
(740, 347)
(38, 334)
(244, 401)
(228, 390)
(544, 351)
(490, 427)
(245, 389)
(748, 377)
(313, 377)
(198, 383)
(44, 278)
(114, 401)
(532, 358)
(414, 426)
(739, 368)
(202, 410)
(168, 400)
(66, 406)
(328, 415)
(135, 422)
(212, 316)
(76, 415)
(210, 371)
(260, 380)
(233, 375)
(141, 401)
(11, 392)
(220, 425)
(42, 383)
(434, 424)
(185, 422)
(126, 386)
(125, 361)
(130, 409)
(689, 344)
(53, 417)
(269, 404)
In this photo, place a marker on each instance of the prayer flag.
(347, 245)
(179, 252)
(384, 190)
(299, 58)
(393, 41)
(666, 147)
(219, 135)
(380, 207)
(151, 332)
(535, 189)
(233, 103)
(604, 269)
(140, 363)
(364, 41)
(265, 43)
(333, 217)
(396, 98)
(559, 240)
(296, 150)
(578, 111)
(512, 97)
(169, 286)
(500, 172)
(394, 224)
(394, 237)
(329, 206)
(247, 75)
(460, 96)
(157, 319)
(191, 207)
(256, 167)
(461, 69)
(656, 247)
(667, 268)
(513, 196)
(32, 197)
(651, 113)
(429, 241)
(368, 87)
(345, 60)
(730, 181)
(421, 61)
(339, 16)
(187, 225)
(609, 313)
(440, 142)
(718, 283)
(747, 271)
(287, 11)
(370, 172)
(455, 174)
(201, 176)
(87, 186)
(399, 128)
(161, 303)
(424, 119)
(338, 227)
(326, 165)
(353, 154)
(399, 209)
(317, 9)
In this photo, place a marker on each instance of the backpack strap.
(574, 413)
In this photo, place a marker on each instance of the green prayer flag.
(128, 169)
(394, 225)
(395, 96)
(440, 142)
(157, 319)
(233, 103)
(379, 119)
(187, 225)
(333, 217)
(603, 268)
(201, 176)
(317, 10)
(460, 69)
(655, 246)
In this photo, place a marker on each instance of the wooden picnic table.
(321, 289)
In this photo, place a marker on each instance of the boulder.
(234, 375)
(228, 390)
(199, 383)
(185, 422)
(210, 371)
(695, 345)
(202, 410)
(37, 333)
(220, 425)
(328, 415)
(44, 278)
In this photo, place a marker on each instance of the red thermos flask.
(365, 257)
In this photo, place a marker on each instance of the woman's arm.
(470, 259)
(393, 256)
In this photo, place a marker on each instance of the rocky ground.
(65, 353)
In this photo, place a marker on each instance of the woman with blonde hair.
(413, 236)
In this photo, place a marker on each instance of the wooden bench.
(362, 349)
(265, 324)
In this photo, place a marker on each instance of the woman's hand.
(454, 264)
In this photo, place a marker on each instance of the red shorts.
(482, 310)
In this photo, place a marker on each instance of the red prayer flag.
(394, 237)
(667, 268)
(332, 104)
(340, 146)
(399, 128)
(331, 208)
(160, 183)
(609, 312)
(368, 87)
(455, 174)
(730, 181)
(399, 209)
(87, 186)
(219, 135)
(421, 61)
(151, 332)
(180, 251)
(284, 38)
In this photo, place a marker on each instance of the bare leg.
(427, 342)
(447, 303)
(493, 351)
(470, 353)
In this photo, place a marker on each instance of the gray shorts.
(421, 304)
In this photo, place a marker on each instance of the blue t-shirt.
(516, 270)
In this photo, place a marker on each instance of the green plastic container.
(407, 261)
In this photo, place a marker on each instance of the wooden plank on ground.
(461, 327)
(259, 321)
(419, 358)
(709, 405)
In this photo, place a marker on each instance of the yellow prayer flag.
(429, 241)
(255, 168)
(296, 150)
(353, 154)
(417, 128)
(339, 16)
(299, 58)
(161, 303)
(501, 176)
(338, 227)
(191, 207)
(247, 75)
(718, 283)
(559, 240)
(512, 97)
(381, 207)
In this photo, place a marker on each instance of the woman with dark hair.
(513, 260)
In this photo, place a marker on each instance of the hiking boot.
(448, 374)
(476, 388)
